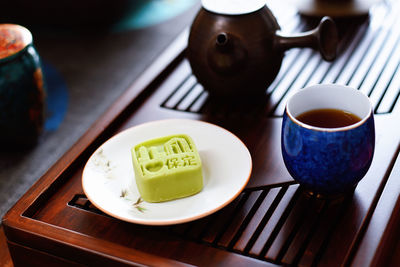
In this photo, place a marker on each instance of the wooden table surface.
(5, 257)
(272, 222)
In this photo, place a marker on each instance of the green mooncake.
(167, 168)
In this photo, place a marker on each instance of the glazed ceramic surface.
(22, 90)
(233, 7)
(108, 178)
(237, 48)
(328, 160)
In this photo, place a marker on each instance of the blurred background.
(91, 51)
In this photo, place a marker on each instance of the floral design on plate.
(102, 164)
(226, 170)
(136, 204)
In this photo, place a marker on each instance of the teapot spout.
(323, 38)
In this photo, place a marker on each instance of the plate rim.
(168, 221)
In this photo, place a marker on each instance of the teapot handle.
(323, 38)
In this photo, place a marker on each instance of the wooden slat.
(263, 213)
(322, 234)
(241, 216)
(178, 78)
(287, 61)
(382, 83)
(288, 229)
(391, 96)
(356, 51)
(193, 95)
(197, 228)
(223, 219)
(381, 59)
(296, 247)
(335, 67)
(257, 249)
(290, 76)
(199, 102)
(182, 91)
(373, 49)
(384, 226)
(306, 72)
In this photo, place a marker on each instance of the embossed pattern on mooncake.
(167, 168)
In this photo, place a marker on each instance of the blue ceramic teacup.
(328, 161)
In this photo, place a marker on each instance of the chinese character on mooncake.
(167, 168)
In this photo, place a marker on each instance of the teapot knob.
(323, 38)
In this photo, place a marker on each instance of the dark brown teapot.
(236, 49)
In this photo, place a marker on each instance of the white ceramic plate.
(108, 178)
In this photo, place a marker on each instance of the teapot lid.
(233, 7)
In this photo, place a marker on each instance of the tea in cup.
(328, 138)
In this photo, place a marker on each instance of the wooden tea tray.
(272, 222)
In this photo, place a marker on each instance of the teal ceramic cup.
(22, 89)
(328, 161)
